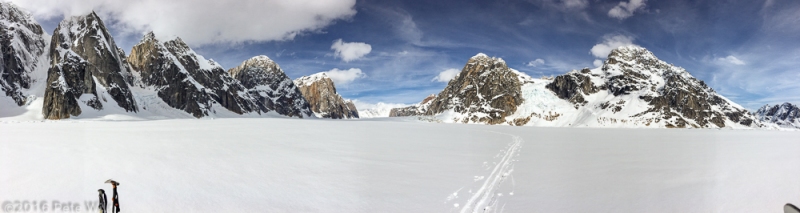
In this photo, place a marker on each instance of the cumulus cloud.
(597, 63)
(535, 63)
(349, 51)
(200, 22)
(611, 42)
(731, 60)
(344, 77)
(446, 76)
(626, 9)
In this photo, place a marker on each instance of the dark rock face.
(573, 86)
(784, 115)
(185, 80)
(83, 55)
(21, 42)
(671, 92)
(486, 91)
(413, 110)
(352, 108)
(264, 80)
(319, 91)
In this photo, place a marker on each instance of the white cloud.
(597, 63)
(447, 75)
(575, 4)
(344, 77)
(732, 60)
(200, 22)
(611, 42)
(349, 51)
(535, 63)
(626, 9)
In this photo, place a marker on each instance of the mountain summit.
(22, 41)
(264, 80)
(321, 94)
(87, 69)
(633, 88)
(786, 115)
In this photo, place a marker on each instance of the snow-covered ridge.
(632, 89)
(264, 80)
(786, 115)
(310, 79)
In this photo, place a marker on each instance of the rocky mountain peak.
(320, 92)
(13, 15)
(635, 74)
(149, 37)
(22, 41)
(87, 67)
(784, 115)
(485, 91)
(186, 80)
(265, 80)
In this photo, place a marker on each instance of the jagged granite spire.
(187, 81)
(87, 69)
(265, 80)
(22, 41)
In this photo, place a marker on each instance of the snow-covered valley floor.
(396, 165)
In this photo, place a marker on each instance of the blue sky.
(749, 51)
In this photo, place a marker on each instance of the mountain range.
(81, 73)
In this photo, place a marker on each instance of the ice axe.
(789, 208)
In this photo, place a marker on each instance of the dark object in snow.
(789, 208)
(103, 201)
(115, 197)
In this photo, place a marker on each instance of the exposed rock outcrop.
(671, 91)
(21, 42)
(574, 86)
(486, 91)
(86, 67)
(786, 115)
(413, 110)
(187, 81)
(319, 91)
(633, 88)
(264, 80)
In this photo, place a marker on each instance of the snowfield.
(396, 165)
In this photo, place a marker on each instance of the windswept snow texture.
(397, 165)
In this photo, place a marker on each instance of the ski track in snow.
(485, 198)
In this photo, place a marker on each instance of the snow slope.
(397, 165)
